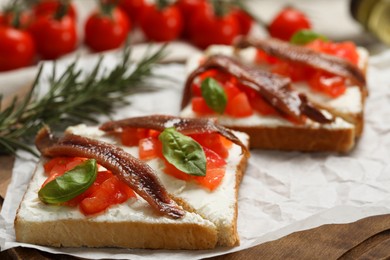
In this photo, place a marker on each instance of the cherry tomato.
(17, 48)
(288, 22)
(54, 38)
(188, 8)
(50, 7)
(245, 22)
(161, 25)
(106, 32)
(133, 9)
(206, 28)
(7, 19)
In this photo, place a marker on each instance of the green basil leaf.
(214, 95)
(183, 152)
(305, 36)
(71, 184)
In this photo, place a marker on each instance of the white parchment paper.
(282, 192)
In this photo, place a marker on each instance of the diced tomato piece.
(212, 179)
(103, 176)
(215, 171)
(58, 166)
(153, 133)
(196, 90)
(105, 191)
(48, 166)
(50, 178)
(208, 73)
(131, 136)
(58, 170)
(213, 159)
(170, 169)
(261, 106)
(239, 106)
(76, 200)
(263, 58)
(346, 50)
(329, 84)
(200, 106)
(100, 178)
(76, 161)
(226, 142)
(258, 103)
(281, 68)
(318, 45)
(212, 141)
(231, 90)
(111, 191)
(219, 76)
(149, 148)
(295, 72)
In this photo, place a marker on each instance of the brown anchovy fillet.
(136, 174)
(183, 125)
(300, 54)
(275, 89)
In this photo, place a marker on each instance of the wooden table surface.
(368, 238)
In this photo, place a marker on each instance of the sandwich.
(157, 182)
(271, 90)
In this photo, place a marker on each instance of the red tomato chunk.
(107, 190)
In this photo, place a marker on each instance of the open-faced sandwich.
(146, 182)
(285, 96)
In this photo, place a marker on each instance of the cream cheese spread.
(217, 206)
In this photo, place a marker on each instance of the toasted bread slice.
(273, 132)
(349, 106)
(210, 220)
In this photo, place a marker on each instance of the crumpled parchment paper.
(282, 192)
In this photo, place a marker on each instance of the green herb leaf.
(69, 185)
(183, 152)
(214, 95)
(305, 36)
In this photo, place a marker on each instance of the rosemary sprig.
(72, 98)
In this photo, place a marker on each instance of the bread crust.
(304, 139)
(79, 233)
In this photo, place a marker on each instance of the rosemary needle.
(72, 98)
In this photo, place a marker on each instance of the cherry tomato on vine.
(288, 22)
(206, 28)
(17, 48)
(105, 31)
(50, 7)
(133, 9)
(165, 24)
(54, 37)
(245, 21)
(7, 19)
(188, 8)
